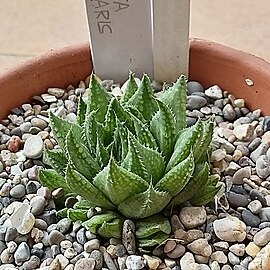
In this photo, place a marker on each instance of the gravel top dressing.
(231, 232)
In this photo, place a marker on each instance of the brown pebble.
(169, 246)
(193, 235)
(14, 144)
(177, 252)
(55, 265)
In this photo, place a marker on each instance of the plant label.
(120, 37)
(170, 38)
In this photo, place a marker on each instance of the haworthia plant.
(132, 158)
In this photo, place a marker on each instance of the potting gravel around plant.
(232, 232)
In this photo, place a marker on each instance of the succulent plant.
(131, 157)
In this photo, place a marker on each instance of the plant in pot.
(132, 157)
(128, 146)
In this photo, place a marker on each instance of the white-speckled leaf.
(186, 141)
(60, 128)
(81, 186)
(98, 99)
(80, 156)
(117, 183)
(195, 184)
(144, 100)
(81, 112)
(57, 159)
(162, 127)
(130, 89)
(145, 204)
(177, 178)
(133, 161)
(53, 180)
(175, 97)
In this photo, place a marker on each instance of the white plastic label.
(148, 36)
(170, 38)
(120, 37)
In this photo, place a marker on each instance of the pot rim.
(209, 61)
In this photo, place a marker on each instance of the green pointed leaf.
(122, 115)
(80, 156)
(92, 131)
(163, 128)
(143, 134)
(117, 183)
(83, 204)
(145, 204)
(57, 159)
(177, 178)
(98, 99)
(133, 161)
(186, 141)
(195, 184)
(144, 100)
(205, 138)
(110, 123)
(81, 186)
(153, 240)
(121, 141)
(152, 160)
(175, 97)
(131, 110)
(60, 128)
(205, 156)
(81, 112)
(205, 195)
(132, 87)
(77, 214)
(52, 180)
(103, 155)
(151, 225)
(112, 229)
(107, 220)
(62, 213)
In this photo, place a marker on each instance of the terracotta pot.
(210, 63)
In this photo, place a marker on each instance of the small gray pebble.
(193, 86)
(263, 166)
(97, 256)
(32, 264)
(22, 253)
(32, 187)
(109, 261)
(250, 219)
(81, 237)
(257, 195)
(91, 245)
(85, 263)
(237, 200)
(17, 191)
(64, 225)
(55, 250)
(128, 236)
(233, 259)
(229, 113)
(266, 123)
(49, 217)
(55, 237)
(11, 234)
(195, 102)
(135, 262)
(190, 121)
(38, 204)
(259, 151)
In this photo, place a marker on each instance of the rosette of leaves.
(132, 158)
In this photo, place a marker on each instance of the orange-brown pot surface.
(242, 74)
